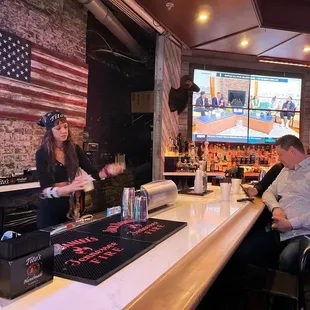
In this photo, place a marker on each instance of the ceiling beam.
(225, 37)
(271, 48)
(257, 5)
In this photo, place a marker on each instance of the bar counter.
(175, 274)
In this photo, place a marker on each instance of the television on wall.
(233, 107)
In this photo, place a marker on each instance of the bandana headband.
(50, 120)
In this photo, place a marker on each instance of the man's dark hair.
(202, 93)
(287, 141)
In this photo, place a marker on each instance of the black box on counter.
(171, 163)
(14, 248)
(25, 273)
(26, 262)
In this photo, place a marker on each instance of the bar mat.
(153, 231)
(92, 258)
(191, 192)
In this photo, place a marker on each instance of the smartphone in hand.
(245, 199)
(245, 191)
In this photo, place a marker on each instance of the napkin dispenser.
(26, 262)
(159, 193)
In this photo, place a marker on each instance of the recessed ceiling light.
(306, 49)
(244, 43)
(203, 17)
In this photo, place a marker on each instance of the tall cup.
(141, 209)
(235, 185)
(225, 191)
(90, 183)
(128, 202)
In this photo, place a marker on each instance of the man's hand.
(281, 224)
(252, 191)
(278, 212)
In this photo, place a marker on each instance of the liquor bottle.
(258, 152)
(243, 150)
(212, 166)
(220, 166)
(228, 157)
(179, 165)
(175, 147)
(247, 159)
(180, 143)
(216, 166)
(185, 166)
(192, 166)
(238, 150)
(205, 181)
(208, 165)
(186, 148)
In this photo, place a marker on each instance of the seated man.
(202, 104)
(258, 190)
(288, 198)
(260, 246)
(216, 101)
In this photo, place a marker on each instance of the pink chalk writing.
(73, 243)
(148, 229)
(96, 256)
(113, 227)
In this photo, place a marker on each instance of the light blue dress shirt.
(292, 189)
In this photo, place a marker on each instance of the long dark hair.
(71, 160)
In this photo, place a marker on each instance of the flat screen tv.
(233, 107)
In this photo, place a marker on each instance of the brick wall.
(233, 84)
(58, 25)
(19, 141)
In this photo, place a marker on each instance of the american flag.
(35, 80)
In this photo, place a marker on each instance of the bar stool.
(281, 284)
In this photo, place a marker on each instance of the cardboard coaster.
(92, 258)
(153, 231)
(191, 192)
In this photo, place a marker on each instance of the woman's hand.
(111, 170)
(78, 184)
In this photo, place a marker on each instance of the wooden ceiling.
(273, 28)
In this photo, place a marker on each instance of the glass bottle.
(179, 165)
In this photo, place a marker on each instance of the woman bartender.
(58, 161)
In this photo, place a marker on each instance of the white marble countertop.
(18, 187)
(204, 216)
(192, 174)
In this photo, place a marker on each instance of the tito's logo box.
(25, 273)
